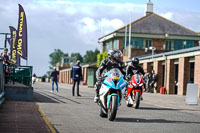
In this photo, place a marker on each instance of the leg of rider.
(128, 91)
(98, 86)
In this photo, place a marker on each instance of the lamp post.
(152, 50)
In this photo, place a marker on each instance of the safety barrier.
(2, 92)
(20, 74)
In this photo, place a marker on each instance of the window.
(137, 43)
(169, 45)
(178, 44)
(148, 43)
(115, 44)
(181, 44)
(188, 44)
(108, 45)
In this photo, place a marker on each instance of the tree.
(78, 56)
(90, 56)
(100, 57)
(55, 57)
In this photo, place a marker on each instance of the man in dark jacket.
(134, 68)
(76, 75)
(154, 78)
(113, 61)
(54, 79)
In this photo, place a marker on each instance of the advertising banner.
(21, 42)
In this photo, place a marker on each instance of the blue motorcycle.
(111, 93)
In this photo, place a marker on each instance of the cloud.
(75, 26)
(88, 24)
(168, 15)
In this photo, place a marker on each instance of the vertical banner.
(15, 58)
(22, 45)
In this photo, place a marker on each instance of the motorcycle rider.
(132, 69)
(112, 61)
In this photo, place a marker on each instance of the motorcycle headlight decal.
(115, 78)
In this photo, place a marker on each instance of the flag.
(22, 45)
(15, 58)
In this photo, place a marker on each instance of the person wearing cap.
(54, 79)
(76, 75)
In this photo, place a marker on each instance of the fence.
(2, 92)
(20, 74)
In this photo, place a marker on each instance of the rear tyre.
(137, 100)
(113, 108)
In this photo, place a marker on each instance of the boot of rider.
(96, 98)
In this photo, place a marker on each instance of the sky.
(75, 25)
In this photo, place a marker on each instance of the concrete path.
(157, 114)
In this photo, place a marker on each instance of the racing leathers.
(107, 65)
(131, 70)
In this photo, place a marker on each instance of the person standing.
(154, 78)
(34, 78)
(76, 75)
(6, 63)
(54, 79)
(5, 57)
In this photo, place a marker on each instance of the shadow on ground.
(38, 97)
(153, 108)
(139, 120)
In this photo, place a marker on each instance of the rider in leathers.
(113, 61)
(134, 68)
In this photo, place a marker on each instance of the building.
(174, 51)
(181, 66)
(149, 31)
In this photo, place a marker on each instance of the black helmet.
(115, 55)
(135, 61)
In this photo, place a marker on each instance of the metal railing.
(20, 74)
(2, 92)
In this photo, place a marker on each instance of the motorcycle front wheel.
(112, 111)
(137, 100)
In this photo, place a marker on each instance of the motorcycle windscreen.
(137, 78)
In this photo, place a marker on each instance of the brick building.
(177, 51)
(151, 30)
(181, 66)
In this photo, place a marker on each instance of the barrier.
(20, 74)
(162, 90)
(2, 92)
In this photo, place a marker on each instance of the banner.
(15, 58)
(22, 34)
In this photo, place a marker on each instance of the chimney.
(149, 8)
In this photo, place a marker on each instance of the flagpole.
(129, 49)
(126, 39)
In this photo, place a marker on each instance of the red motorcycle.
(134, 91)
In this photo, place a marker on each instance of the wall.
(158, 43)
(183, 75)
(197, 71)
